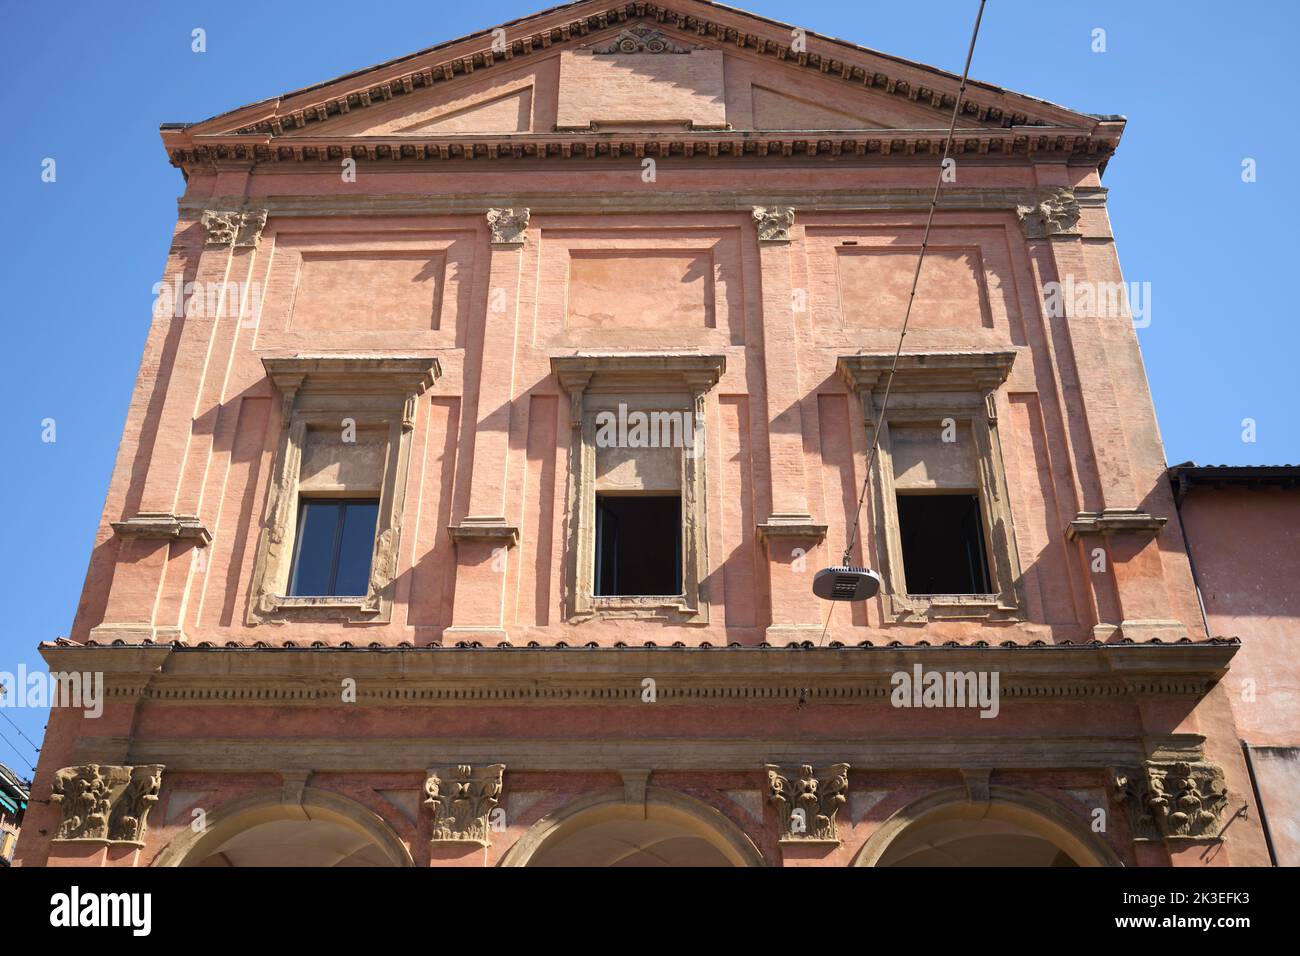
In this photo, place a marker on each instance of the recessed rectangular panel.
(372, 291)
(875, 283)
(642, 89)
(640, 289)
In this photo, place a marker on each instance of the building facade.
(1242, 527)
(14, 794)
(501, 403)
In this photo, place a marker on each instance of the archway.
(670, 829)
(1013, 828)
(324, 830)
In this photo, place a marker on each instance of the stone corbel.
(807, 806)
(773, 223)
(106, 804)
(461, 800)
(1115, 521)
(791, 526)
(163, 526)
(508, 225)
(1172, 801)
(484, 529)
(1055, 212)
(239, 229)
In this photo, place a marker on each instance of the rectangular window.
(336, 539)
(943, 544)
(638, 545)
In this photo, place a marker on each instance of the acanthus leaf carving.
(461, 800)
(1170, 801)
(240, 229)
(1056, 213)
(774, 223)
(508, 226)
(108, 803)
(807, 806)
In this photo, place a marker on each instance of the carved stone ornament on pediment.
(1055, 213)
(806, 805)
(106, 803)
(508, 226)
(773, 223)
(640, 38)
(461, 800)
(1172, 801)
(243, 230)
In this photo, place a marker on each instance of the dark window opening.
(638, 544)
(943, 544)
(336, 539)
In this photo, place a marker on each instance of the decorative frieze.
(807, 806)
(106, 803)
(774, 223)
(242, 230)
(461, 800)
(508, 225)
(640, 38)
(1055, 213)
(1172, 801)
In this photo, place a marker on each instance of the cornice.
(930, 371)
(347, 373)
(818, 200)
(634, 371)
(613, 676)
(1056, 143)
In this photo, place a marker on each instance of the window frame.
(660, 380)
(928, 388)
(319, 392)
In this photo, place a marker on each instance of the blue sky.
(1203, 84)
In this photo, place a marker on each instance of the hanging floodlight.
(846, 584)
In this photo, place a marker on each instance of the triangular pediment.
(599, 67)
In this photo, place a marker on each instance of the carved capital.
(640, 38)
(508, 226)
(242, 230)
(109, 804)
(1172, 801)
(461, 800)
(1055, 213)
(773, 223)
(805, 805)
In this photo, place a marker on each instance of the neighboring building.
(391, 572)
(14, 794)
(1242, 527)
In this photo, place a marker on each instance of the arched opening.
(314, 843)
(1012, 828)
(984, 842)
(325, 830)
(669, 829)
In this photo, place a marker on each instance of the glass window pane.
(314, 557)
(356, 547)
